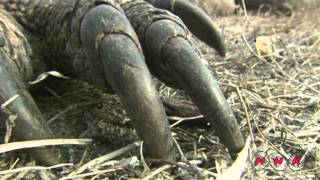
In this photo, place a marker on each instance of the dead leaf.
(265, 45)
(238, 167)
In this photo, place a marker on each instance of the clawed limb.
(116, 46)
(15, 70)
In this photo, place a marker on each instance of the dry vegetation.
(276, 99)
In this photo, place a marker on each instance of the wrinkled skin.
(115, 46)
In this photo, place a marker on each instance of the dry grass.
(275, 98)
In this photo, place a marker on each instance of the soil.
(276, 100)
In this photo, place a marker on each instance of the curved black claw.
(30, 124)
(107, 31)
(15, 70)
(173, 60)
(199, 23)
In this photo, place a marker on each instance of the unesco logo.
(275, 160)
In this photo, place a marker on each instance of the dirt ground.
(271, 77)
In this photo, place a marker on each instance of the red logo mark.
(296, 161)
(278, 160)
(260, 160)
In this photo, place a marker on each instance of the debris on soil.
(275, 97)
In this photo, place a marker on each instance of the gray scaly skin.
(99, 41)
(18, 64)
